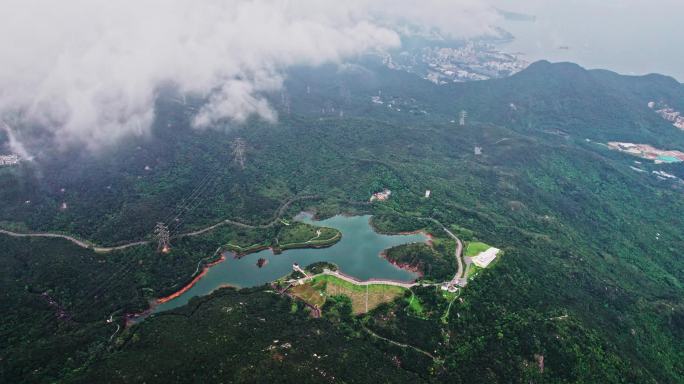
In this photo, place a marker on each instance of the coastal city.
(8, 160)
(442, 65)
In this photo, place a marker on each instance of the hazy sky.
(627, 36)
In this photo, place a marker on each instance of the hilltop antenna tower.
(285, 101)
(161, 233)
(239, 148)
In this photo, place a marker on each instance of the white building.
(9, 159)
(483, 259)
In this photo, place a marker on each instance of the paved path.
(88, 245)
(80, 243)
(459, 278)
(300, 270)
(356, 281)
(271, 223)
(398, 344)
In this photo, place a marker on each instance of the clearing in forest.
(363, 297)
(474, 248)
(309, 294)
(481, 255)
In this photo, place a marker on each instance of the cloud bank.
(88, 70)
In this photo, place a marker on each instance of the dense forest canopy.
(590, 289)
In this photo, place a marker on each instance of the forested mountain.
(590, 288)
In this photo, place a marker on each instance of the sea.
(631, 37)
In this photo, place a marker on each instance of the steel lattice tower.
(161, 233)
(239, 148)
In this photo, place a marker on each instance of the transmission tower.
(462, 118)
(161, 233)
(239, 147)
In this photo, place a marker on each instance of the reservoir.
(357, 254)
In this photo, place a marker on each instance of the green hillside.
(592, 279)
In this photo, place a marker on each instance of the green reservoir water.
(357, 254)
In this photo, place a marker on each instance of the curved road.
(398, 344)
(353, 280)
(80, 243)
(87, 245)
(74, 240)
(271, 223)
(459, 278)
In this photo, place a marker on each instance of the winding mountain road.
(459, 278)
(80, 243)
(84, 244)
(398, 344)
(278, 214)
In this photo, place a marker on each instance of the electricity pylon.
(161, 233)
(239, 147)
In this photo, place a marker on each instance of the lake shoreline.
(421, 231)
(135, 317)
(404, 266)
(413, 271)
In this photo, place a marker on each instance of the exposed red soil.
(191, 283)
(404, 266)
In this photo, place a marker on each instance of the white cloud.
(88, 69)
(16, 146)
